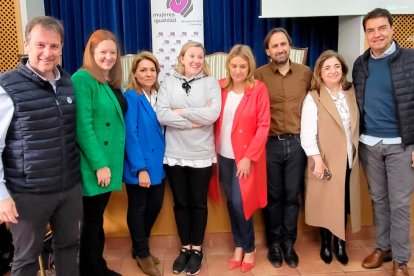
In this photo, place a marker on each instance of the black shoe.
(194, 263)
(275, 256)
(290, 256)
(339, 250)
(181, 262)
(326, 245)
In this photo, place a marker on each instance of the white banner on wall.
(174, 22)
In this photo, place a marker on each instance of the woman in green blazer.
(100, 109)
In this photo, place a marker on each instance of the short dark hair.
(46, 22)
(375, 13)
(272, 32)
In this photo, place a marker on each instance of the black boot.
(339, 250)
(326, 243)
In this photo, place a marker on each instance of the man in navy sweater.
(384, 83)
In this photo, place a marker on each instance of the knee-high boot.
(326, 245)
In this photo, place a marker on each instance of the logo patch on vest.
(69, 100)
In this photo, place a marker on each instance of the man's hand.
(8, 211)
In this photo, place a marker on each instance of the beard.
(281, 59)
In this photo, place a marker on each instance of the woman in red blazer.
(240, 134)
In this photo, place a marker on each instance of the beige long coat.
(325, 200)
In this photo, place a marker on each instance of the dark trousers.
(286, 163)
(242, 229)
(92, 241)
(144, 205)
(189, 187)
(63, 211)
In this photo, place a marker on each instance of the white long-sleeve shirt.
(309, 125)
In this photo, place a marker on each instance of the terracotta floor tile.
(369, 273)
(218, 249)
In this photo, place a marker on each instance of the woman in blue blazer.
(144, 152)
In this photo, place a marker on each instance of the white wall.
(308, 8)
(351, 39)
(30, 9)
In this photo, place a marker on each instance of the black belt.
(284, 136)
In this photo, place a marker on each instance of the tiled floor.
(218, 250)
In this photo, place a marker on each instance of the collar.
(182, 77)
(275, 68)
(55, 71)
(387, 52)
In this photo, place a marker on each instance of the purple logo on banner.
(183, 7)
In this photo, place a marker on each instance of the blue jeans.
(242, 229)
(286, 163)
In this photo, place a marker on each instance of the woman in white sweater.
(188, 104)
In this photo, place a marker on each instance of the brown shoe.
(376, 258)
(147, 266)
(399, 269)
(155, 259)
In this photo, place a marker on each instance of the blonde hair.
(245, 53)
(132, 81)
(317, 80)
(89, 63)
(180, 67)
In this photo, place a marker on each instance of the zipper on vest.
(58, 106)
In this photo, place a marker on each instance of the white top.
(6, 115)
(309, 124)
(153, 99)
(225, 147)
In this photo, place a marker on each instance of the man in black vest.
(383, 79)
(39, 170)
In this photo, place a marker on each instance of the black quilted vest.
(402, 75)
(40, 155)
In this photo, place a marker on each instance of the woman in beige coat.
(329, 136)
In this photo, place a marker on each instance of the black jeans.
(242, 229)
(144, 205)
(189, 187)
(286, 163)
(92, 240)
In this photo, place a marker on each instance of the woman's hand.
(104, 176)
(320, 166)
(144, 179)
(243, 168)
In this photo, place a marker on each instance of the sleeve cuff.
(4, 193)
(144, 169)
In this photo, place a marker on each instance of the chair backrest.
(217, 63)
(298, 55)
(126, 63)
